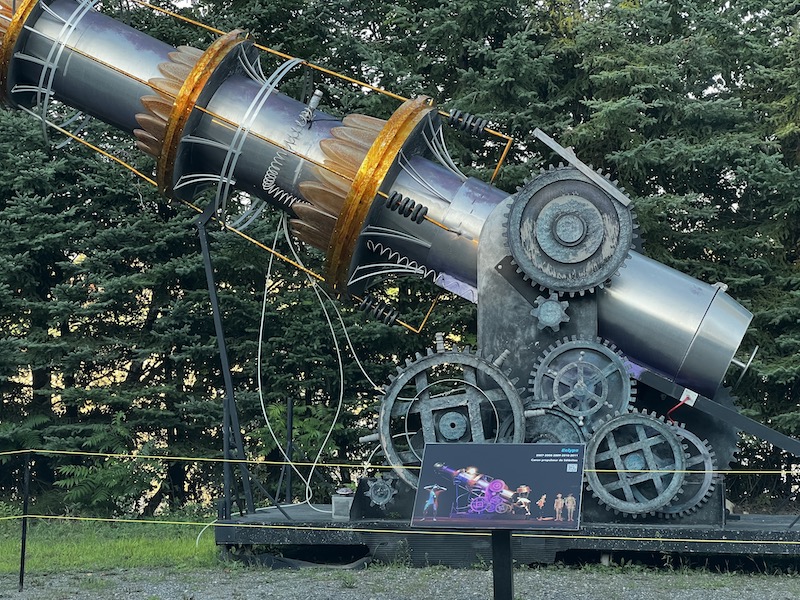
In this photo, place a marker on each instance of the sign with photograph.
(500, 486)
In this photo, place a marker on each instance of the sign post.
(500, 488)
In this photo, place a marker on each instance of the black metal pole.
(230, 417)
(229, 414)
(289, 449)
(502, 565)
(26, 492)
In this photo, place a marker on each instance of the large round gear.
(566, 234)
(447, 396)
(585, 379)
(700, 477)
(635, 464)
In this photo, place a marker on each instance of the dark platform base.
(394, 540)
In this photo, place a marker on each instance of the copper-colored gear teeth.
(175, 71)
(353, 135)
(332, 180)
(342, 157)
(364, 122)
(153, 125)
(158, 106)
(322, 196)
(307, 233)
(166, 87)
(344, 153)
(186, 55)
(320, 220)
(146, 142)
(6, 13)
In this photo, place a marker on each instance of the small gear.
(566, 234)
(503, 509)
(478, 504)
(635, 464)
(438, 398)
(586, 379)
(381, 489)
(550, 312)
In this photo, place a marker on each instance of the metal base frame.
(393, 540)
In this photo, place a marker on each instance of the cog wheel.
(700, 477)
(381, 490)
(584, 379)
(447, 396)
(550, 312)
(566, 234)
(721, 436)
(635, 464)
(503, 509)
(548, 426)
(478, 504)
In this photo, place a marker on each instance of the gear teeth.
(471, 363)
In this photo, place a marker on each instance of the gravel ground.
(399, 583)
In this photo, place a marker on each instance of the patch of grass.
(347, 579)
(59, 546)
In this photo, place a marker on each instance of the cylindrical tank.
(683, 328)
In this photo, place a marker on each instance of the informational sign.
(500, 486)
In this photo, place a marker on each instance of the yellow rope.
(783, 472)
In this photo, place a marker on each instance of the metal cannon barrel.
(380, 197)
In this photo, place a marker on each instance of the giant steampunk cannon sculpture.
(581, 338)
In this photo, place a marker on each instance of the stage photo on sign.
(500, 486)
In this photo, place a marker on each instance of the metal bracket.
(508, 271)
(569, 155)
(716, 410)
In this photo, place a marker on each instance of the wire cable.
(340, 365)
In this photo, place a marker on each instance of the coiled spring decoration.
(268, 183)
(408, 265)
(406, 207)
(281, 196)
(467, 122)
(379, 309)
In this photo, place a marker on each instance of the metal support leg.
(231, 432)
(230, 417)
